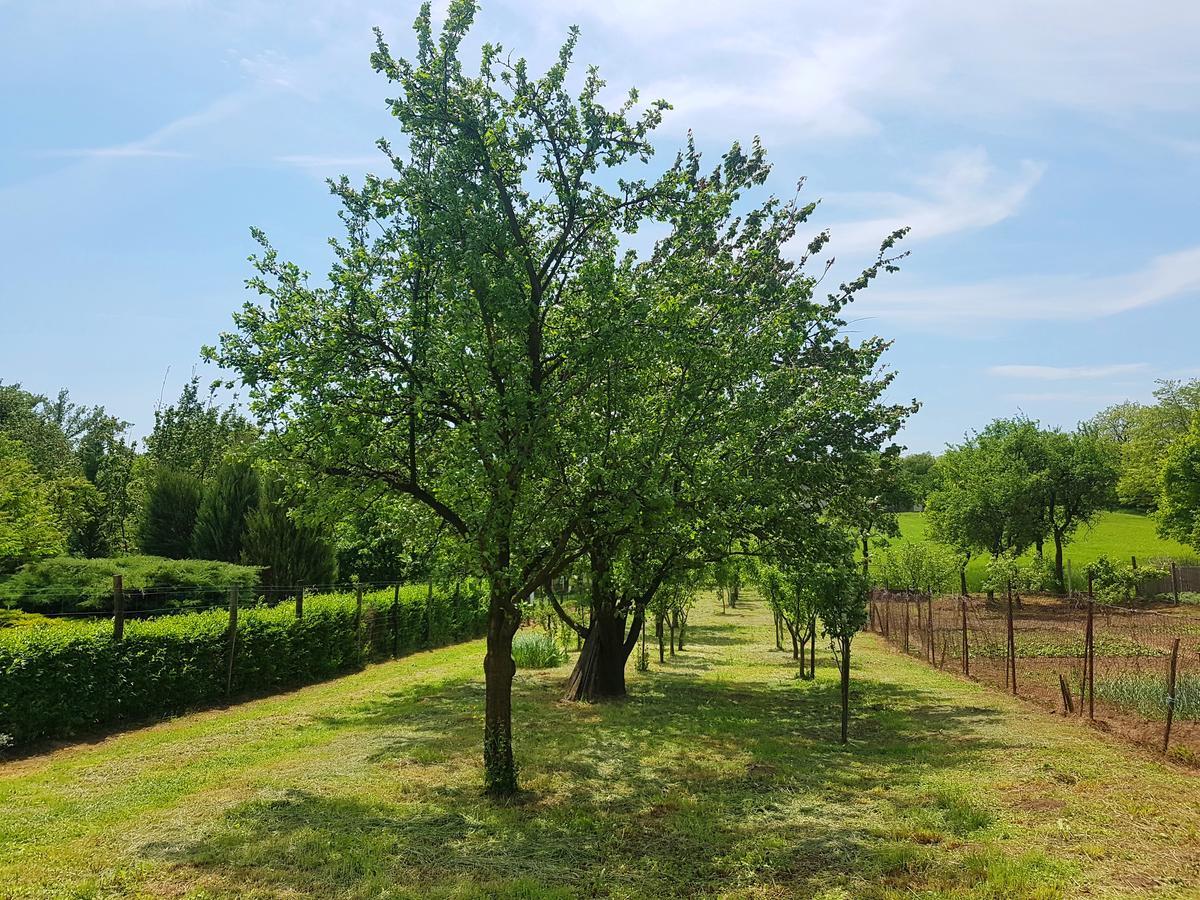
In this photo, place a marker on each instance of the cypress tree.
(221, 522)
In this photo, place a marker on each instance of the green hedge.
(61, 678)
(66, 583)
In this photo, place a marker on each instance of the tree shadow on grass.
(691, 787)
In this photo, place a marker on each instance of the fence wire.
(1044, 656)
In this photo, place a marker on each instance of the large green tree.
(1144, 435)
(1077, 482)
(485, 348)
(463, 329)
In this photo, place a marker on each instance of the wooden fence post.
(233, 618)
(966, 658)
(1171, 695)
(1175, 581)
(396, 622)
(1091, 659)
(929, 619)
(1137, 588)
(300, 602)
(118, 608)
(906, 605)
(1068, 703)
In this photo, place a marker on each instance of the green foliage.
(24, 418)
(172, 501)
(149, 582)
(194, 434)
(1179, 514)
(919, 566)
(29, 527)
(841, 603)
(223, 517)
(1145, 435)
(537, 650)
(66, 677)
(293, 552)
(1118, 582)
(916, 478)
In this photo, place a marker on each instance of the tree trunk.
(962, 580)
(795, 642)
(658, 631)
(866, 560)
(845, 642)
(1059, 576)
(812, 648)
(734, 588)
(599, 672)
(500, 771)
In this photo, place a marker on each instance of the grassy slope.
(719, 776)
(1116, 534)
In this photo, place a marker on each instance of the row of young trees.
(490, 360)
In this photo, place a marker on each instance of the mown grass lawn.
(1119, 535)
(720, 776)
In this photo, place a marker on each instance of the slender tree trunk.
(1059, 576)
(500, 771)
(795, 642)
(866, 568)
(962, 580)
(845, 642)
(812, 647)
(735, 586)
(658, 631)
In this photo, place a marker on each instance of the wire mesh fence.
(1132, 670)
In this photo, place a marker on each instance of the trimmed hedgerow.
(61, 678)
(67, 583)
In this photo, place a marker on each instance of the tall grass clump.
(537, 650)
(1146, 694)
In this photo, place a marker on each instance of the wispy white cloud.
(1067, 373)
(125, 151)
(964, 192)
(1040, 298)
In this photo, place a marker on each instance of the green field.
(720, 776)
(1118, 535)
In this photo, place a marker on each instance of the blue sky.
(1046, 155)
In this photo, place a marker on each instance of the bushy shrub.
(1119, 582)
(66, 583)
(64, 677)
(537, 650)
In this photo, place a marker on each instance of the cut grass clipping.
(537, 650)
